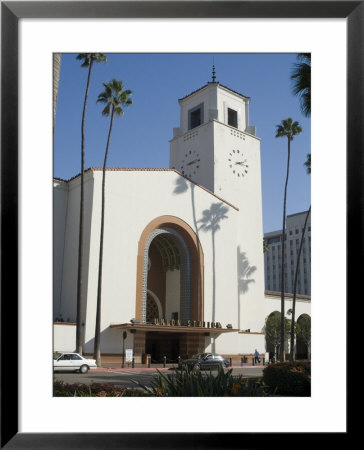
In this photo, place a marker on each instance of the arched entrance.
(167, 270)
(170, 262)
(303, 337)
(273, 334)
(176, 238)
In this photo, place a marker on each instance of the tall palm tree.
(88, 61)
(288, 129)
(301, 78)
(114, 98)
(291, 354)
(56, 75)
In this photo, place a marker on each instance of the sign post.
(124, 337)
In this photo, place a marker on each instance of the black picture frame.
(11, 12)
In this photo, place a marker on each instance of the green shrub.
(61, 389)
(192, 383)
(289, 378)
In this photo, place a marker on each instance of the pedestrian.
(256, 356)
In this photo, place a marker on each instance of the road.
(122, 378)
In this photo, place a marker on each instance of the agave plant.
(194, 383)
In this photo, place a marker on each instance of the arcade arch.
(169, 263)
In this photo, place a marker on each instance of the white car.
(73, 362)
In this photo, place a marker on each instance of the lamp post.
(124, 337)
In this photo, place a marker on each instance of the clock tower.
(217, 148)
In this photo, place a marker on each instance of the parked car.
(72, 362)
(204, 361)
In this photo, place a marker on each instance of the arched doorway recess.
(179, 234)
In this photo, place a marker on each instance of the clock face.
(238, 163)
(190, 163)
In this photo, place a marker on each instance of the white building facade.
(183, 266)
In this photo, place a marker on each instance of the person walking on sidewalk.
(256, 356)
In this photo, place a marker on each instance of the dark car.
(204, 361)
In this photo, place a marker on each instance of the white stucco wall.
(272, 303)
(60, 200)
(133, 199)
(64, 337)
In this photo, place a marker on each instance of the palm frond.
(301, 82)
(114, 97)
(288, 128)
(86, 57)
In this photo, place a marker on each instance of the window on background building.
(291, 242)
(309, 228)
(290, 232)
(291, 252)
(274, 240)
(297, 241)
(297, 231)
(232, 118)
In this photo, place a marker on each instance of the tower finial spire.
(213, 71)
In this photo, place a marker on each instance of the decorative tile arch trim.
(196, 256)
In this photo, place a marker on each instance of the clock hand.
(192, 162)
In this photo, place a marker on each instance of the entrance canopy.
(172, 328)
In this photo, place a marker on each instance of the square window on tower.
(195, 116)
(232, 118)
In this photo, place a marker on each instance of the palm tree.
(287, 129)
(88, 61)
(291, 354)
(56, 75)
(114, 98)
(301, 78)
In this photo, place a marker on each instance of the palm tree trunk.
(281, 350)
(56, 74)
(97, 353)
(82, 214)
(291, 356)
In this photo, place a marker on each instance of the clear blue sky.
(141, 136)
